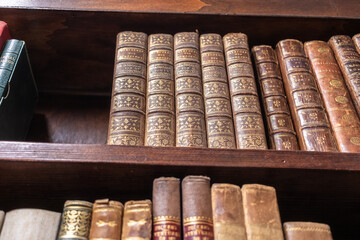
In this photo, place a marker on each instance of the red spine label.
(198, 228)
(166, 228)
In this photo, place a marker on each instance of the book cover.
(307, 231)
(4, 34)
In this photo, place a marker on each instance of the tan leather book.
(228, 212)
(196, 206)
(30, 224)
(343, 118)
(106, 220)
(2, 217)
(218, 115)
(278, 117)
(75, 220)
(137, 220)
(127, 113)
(261, 211)
(307, 231)
(248, 121)
(160, 108)
(190, 121)
(307, 110)
(166, 209)
(356, 39)
(349, 61)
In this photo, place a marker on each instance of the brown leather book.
(218, 115)
(356, 39)
(279, 122)
(106, 220)
(137, 220)
(349, 61)
(310, 120)
(197, 213)
(228, 213)
(190, 121)
(249, 126)
(307, 231)
(127, 113)
(166, 209)
(160, 108)
(343, 118)
(262, 217)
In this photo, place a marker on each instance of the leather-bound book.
(356, 39)
(218, 115)
(127, 113)
(2, 217)
(4, 34)
(249, 125)
(343, 118)
(30, 224)
(310, 120)
(278, 117)
(262, 217)
(160, 109)
(75, 220)
(307, 231)
(228, 213)
(166, 209)
(349, 61)
(106, 220)
(137, 220)
(190, 121)
(196, 205)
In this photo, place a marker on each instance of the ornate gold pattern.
(160, 39)
(130, 69)
(126, 38)
(210, 40)
(128, 102)
(336, 83)
(161, 85)
(214, 73)
(341, 99)
(252, 141)
(240, 70)
(246, 103)
(160, 123)
(186, 69)
(216, 89)
(160, 102)
(249, 122)
(160, 70)
(224, 125)
(190, 122)
(131, 54)
(187, 38)
(242, 85)
(160, 140)
(355, 140)
(189, 84)
(218, 106)
(237, 40)
(129, 84)
(75, 223)
(125, 140)
(189, 102)
(125, 123)
(221, 142)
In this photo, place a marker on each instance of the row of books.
(188, 90)
(222, 212)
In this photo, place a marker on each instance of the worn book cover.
(307, 231)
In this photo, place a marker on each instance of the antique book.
(344, 121)
(127, 113)
(349, 61)
(262, 217)
(2, 216)
(307, 231)
(196, 207)
(106, 220)
(190, 121)
(310, 120)
(278, 117)
(356, 39)
(218, 115)
(30, 224)
(160, 106)
(4, 34)
(166, 209)
(249, 126)
(75, 220)
(137, 220)
(228, 212)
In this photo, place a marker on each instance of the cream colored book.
(2, 216)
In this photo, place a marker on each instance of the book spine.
(262, 217)
(307, 230)
(127, 113)
(160, 109)
(343, 118)
(218, 115)
(197, 212)
(228, 213)
(137, 220)
(356, 39)
(310, 120)
(4, 34)
(280, 126)
(2, 216)
(190, 122)
(166, 209)
(75, 220)
(349, 61)
(106, 220)
(249, 125)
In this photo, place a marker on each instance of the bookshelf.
(71, 47)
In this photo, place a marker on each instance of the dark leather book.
(307, 231)
(249, 125)
(310, 120)
(218, 115)
(343, 118)
(160, 109)
(190, 121)
(278, 117)
(166, 209)
(356, 39)
(4, 34)
(349, 61)
(127, 113)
